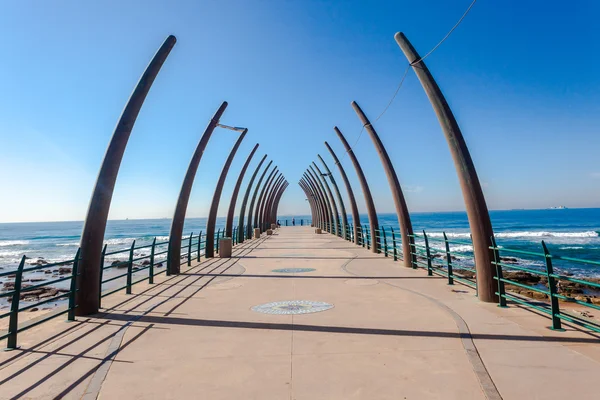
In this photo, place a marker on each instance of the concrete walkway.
(393, 333)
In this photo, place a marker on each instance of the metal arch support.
(209, 251)
(372, 214)
(319, 206)
(263, 203)
(321, 197)
(269, 204)
(477, 211)
(316, 215)
(234, 195)
(324, 196)
(353, 206)
(241, 230)
(92, 236)
(249, 224)
(178, 221)
(262, 195)
(330, 198)
(278, 201)
(339, 197)
(399, 201)
(310, 202)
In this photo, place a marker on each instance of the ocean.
(567, 232)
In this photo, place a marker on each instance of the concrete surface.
(393, 333)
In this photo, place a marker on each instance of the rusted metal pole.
(241, 230)
(373, 222)
(214, 206)
(317, 205)
(353, 206)
(262, 195)
(268, 216)
(275, 206)
(321, 196)
(477, 211)
(339, 197)
(94, 227)
(234, 195)
(268, 199)
(330, 198)
(174, 258)
(318, 201)
(249, 224)
(313, 211)
(399, 201)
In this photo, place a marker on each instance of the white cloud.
(413, 189)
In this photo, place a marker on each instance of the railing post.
(449, 260)
(130, 269)
(394, 245)
(13, 323)
(413, 253)
(189, 260)
(151, 267)
(428, 252)
(199, 246)
(368, 239)
(499, 275)
(217, 241)
(385, 248)
(73, 288)
(102, 257)
(556, 322)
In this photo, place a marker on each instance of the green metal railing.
(136, 260)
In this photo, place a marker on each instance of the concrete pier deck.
(392, 333)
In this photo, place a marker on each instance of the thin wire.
(406, 72)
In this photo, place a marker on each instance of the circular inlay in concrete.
(292, 307)
(361, 282)
(293, 270)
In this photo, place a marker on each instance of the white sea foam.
(449, 234)
(522, 234)
(6, 243)
(162, 238)
(119, 241)
(68, 244)
(11, 253)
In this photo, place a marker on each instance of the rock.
(64, 270)
(118, 264)
(33, 309)
(38, 261)
(464, 273)
(47, 271)
(12, 276)
(159, 265)
(509, 260)
(35, 280)
(522, 277)
(146, 262)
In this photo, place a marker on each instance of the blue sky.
(521, 78)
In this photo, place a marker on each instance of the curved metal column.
(209, 251)
(477, 211)
(353, 206)
(275, 205)
(399, 201)
(266, 218)
(92, 236)
(263, 202)
(373, 222)
(234, 195)
(245, 201)
(331, 200)
(316, 217)
(339, 197)
(314, 214)
(321, 198)
(261, 197)
(249, 224)
(173, 262)
(323, 194)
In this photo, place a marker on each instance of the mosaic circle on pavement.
(292, 307)
(293, 270)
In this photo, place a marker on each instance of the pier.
(364, 327)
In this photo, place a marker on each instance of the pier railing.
(25, 294)
(525, 283)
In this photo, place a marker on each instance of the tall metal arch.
(241, 229)
(331, 199)
(209, 251)
(94, 227)
(262, 195)
(249, 224)
(477, 211)
(339, 197)
(234, 194)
